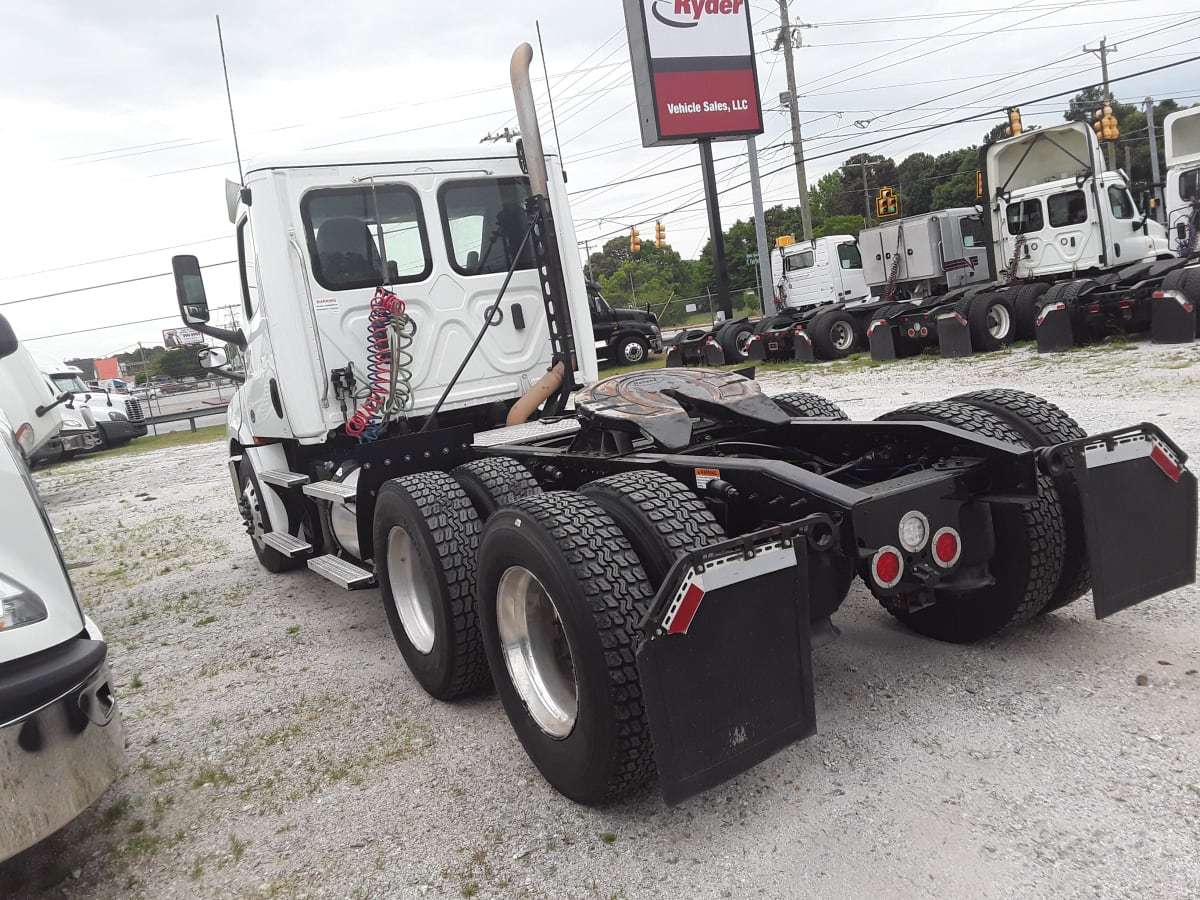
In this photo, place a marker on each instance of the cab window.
(849, 257)
(1067, 208)
(1024, 216)
(485, 222)
(971, 229)
(1189, 185)
(1121, 202)
(351, 232)
(802, 260)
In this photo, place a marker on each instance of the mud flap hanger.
(725, 659)
(1139, 512)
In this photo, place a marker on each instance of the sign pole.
(720, 269)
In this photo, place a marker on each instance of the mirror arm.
(224, 335)
(61, 398)
(235, 377)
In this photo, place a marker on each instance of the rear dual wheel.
(990, 320)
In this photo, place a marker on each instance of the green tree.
(178, 364)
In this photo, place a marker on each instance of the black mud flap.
(954, 337)
(1053, 329)
(726, 660)
(882, 339)
(757, 348)
(674, 357)
(1139, 513)
(1172, 318)
(802, 348)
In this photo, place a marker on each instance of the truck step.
(333, 491)
(283, 479)
(286, 543)
(339, 571)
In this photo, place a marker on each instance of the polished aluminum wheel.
(841, 335)
(412, 593)
(999, 322)
(536, 652)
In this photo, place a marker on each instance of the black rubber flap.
(1172, 320)
(736, 688)
(1053, 330)
(26, 685)
(954, 337)
(882, 340)
(1139, 505)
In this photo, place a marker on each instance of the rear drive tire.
(561, 592)
(1025, 307)
(1042, 423)
(426, 536)
(258, 520)
(835, 334)
(803, 405)
(1187, 282)
(661, 519)
(735, 341)
(1027, 556)
(494, 481)
(990, 320)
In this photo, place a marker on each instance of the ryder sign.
(693, 70)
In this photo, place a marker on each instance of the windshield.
(72, 383)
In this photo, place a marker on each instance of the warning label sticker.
(704, 476)
(325, 304)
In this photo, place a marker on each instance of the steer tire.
(260, 520)
(426, 535)
(1042, 423)
(1025, 306)
(631, 350)
(494, 481)
(835, 334)
(803, 405)
(990, 320)
(661, 519)
(1028, 546)
(574, 622)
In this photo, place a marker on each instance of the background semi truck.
(48, 424)
(61, 739)
(641, 565)
(118, 416)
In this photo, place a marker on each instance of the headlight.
(117, 417)
(75, 424)
(18, 605)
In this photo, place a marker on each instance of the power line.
(96, 287)
(93, 262)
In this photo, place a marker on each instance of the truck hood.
(1047, 154)
(635, 315)
(30, 561)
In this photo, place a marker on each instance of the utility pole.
(784, 42)
(1102, 51)
(866, 193)
(1155, 175)
(760, 226)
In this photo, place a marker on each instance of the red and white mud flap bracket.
(1172, 318)
(1053, 329)
(726, 656)
(802, 348)
(881, 338)
(1139, 514)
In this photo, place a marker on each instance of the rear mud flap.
(882, 340)
(1053, 329)
(1172, 319)
(802, 348)
(954, 337)
(726, 664)
(1139, 509)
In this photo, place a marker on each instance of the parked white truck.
(641, 565)
(118, 416)
(48, 424)
(61, 739)
(1181, 141)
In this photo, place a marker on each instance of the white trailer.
(61, 739)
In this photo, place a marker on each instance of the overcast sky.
(115, 132)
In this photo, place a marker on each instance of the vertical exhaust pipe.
(527, 121)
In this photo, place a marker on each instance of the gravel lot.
(279, 748)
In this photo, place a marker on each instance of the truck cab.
(47, 423)
(1181, 141)
(622, 336)
(925, 255)
(61, 739)
(816, 273)
(119, 417)
(1055, 211)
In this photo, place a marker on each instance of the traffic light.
(1106, 124)
(887, 204)
(978, 183)
(635, 242)
(1014, 122)
(660, 234)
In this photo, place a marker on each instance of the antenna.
(229, 98)
(546, 72)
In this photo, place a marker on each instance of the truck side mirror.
(189, 289)
(1181, 231)
(213, 358)
(8, 339)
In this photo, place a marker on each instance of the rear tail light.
(947, 547)
(914, 531)
(887, 566)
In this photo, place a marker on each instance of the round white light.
(914, 531)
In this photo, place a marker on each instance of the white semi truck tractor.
(61, 739)
(641, 564)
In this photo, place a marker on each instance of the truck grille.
(133, 409)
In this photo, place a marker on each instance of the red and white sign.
(175, 338)
(693, 70)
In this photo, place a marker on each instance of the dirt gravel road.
(279, 748)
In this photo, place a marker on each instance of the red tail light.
(887, 566)
(947, 547)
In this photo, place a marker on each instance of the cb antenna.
(546, 72)
(229, 98)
